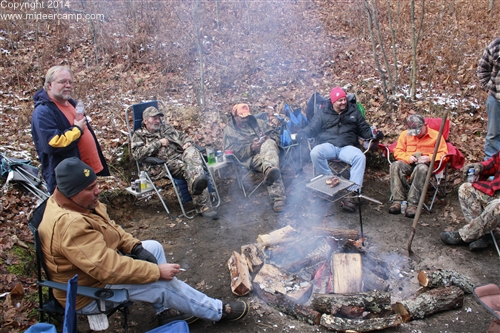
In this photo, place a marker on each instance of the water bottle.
(80, 110)
(404, 205)
(210, 156)
(470, 175)
(144, 181)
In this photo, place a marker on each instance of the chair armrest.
(102, 294)
(153, 160)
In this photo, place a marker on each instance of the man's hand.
(379, 135)
(168, 271)
(80, 123)
(164, 142)
(413, 159)
(256, 144)
(142, 254)
(424, 159)
(478, 168)
(187, 145)
(301, 136)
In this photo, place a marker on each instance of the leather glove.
(301, 136)
(142, 254)
(478, 168)
(379, 136)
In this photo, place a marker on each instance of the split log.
(240, 276)
(283, 235)
(445, 278)
(254, 253)
(320, 253)
(373, 301)
(430, 302)
(347, 273)
(339, 233)
(360, 325)
(284, 304)
(373, 282)
(271, 280)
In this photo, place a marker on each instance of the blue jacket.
(48, 124)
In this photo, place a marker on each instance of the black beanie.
(72, 176)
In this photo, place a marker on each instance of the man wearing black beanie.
(78, 237)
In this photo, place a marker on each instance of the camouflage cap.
(151, 111)
(415, 123)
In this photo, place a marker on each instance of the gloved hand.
(301, 136)
(478, 168)
(142, 254)
(379, 135)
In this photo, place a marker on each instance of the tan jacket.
(76, 241)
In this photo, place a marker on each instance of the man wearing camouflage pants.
(480, 202)
(157, 139)
(256, 144)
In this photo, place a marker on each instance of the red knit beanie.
(336, 94)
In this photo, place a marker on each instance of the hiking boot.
(480, 244)
(411, 211)
(272, 174)
(451, 238)
(278, 206)
(171, 315)
(210, 214)
(348, 205)
(199, 184)
(234, 311)
(395, 207)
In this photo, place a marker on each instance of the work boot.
(395, 207)
(272, 174)
(171, 315)
(451, 238)
(210, 214)
(278, 206)
(348, 204)
(480, 244)
(411, 211)
(199, 184)
(234, 311)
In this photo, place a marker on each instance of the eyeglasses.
(65, 82)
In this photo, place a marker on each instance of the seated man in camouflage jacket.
(157, 139)
(256, 144)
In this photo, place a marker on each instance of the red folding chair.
(454, 159)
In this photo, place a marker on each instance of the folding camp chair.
(242, 173)
(20, 171)
(133, 116)
(454, 159)
(109, 301)
(488, 295)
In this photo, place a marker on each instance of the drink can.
(219, 156)
(470, 175)
(132, 186)
(404, 205)
(138, 186)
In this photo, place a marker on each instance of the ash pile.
(324, 276)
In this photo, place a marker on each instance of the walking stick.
(426, 184)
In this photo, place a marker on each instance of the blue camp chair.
(133, 115)
(178, 326)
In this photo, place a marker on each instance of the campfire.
(325, 277)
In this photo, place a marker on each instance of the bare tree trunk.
(374, 47)
(201, 91)
(491, 4)
(381, 44)
(394, 50)
(413, 77)
(217, 13)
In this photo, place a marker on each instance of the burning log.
(373, 301)
(254, 253)
(284, 304)
(444, 278)
(347, 273)
(430, 302)
(320, 253)
(339, 233)
(371, 281)
(279, 236)
(240, 276)
(360, 325)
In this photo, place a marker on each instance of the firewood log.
(339, 233)
(283, 235)
(373, 301)
(360, 325)
(444, 278)
(240, 276)
(254, 253)
(430, 302)
(373, 282)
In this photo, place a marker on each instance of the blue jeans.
(348, 154)
(164, 294)
(492, 144)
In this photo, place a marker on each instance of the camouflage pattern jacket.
(239, 139)
(147, 144)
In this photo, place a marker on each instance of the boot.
(481, 243)
(451, 238)
(278, 206)
(411, 211)
(199, 184)
(395, 207)
(272, 174)
(348, 204)
(210, 214)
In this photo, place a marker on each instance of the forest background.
(201, 57)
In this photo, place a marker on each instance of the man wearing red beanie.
(337, 131)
